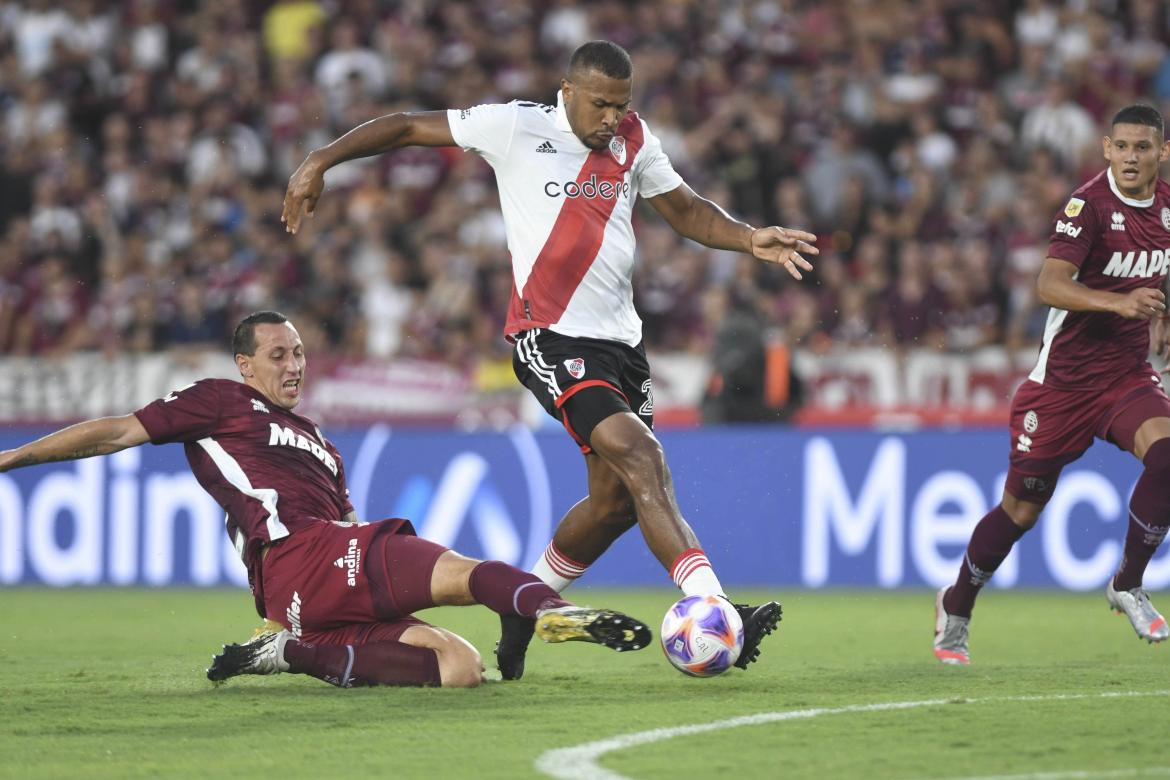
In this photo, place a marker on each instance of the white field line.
(580, 761)
(1076, 774)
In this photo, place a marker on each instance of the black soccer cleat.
(515, 634)
(601, 626)
(262, 655)
(758, 622)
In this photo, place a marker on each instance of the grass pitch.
(109, 683)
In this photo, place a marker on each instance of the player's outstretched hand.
(783, 246)
(1143, 303)
(304, 189)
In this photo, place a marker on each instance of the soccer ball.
(702, 635)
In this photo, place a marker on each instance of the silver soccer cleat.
(263, 654)
(1135, 605)
(950, 635)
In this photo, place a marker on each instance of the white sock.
(556, 570)
(693, 574)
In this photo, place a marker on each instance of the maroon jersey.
(1119, 244)
(270, 469)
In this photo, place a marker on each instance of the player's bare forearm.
(384, 134)
(83, 440)
(711, 226)
(1058, 287)
(1071, 295)
(693, 216)
(701, 220)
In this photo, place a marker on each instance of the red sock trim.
(562, 564)
(687, 563)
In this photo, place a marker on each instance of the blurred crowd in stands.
(145, 146)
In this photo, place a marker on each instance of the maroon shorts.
(1051, 427)
(349, 584)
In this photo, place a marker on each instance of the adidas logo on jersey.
(547, 148)
(1118, 221)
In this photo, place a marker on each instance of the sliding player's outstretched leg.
(582, 624)
(263, 654)
(406, 653)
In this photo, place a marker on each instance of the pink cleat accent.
(950, 635)
(1135, 604)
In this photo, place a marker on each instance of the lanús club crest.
(1031, 421)
(1166, 217)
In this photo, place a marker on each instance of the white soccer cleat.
(1135, 605)
(263, 654)
(950, 635)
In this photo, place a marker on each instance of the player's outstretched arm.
(701, 220)
(1057, 286)
(83, 440)
(384, 134)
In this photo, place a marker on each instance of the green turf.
(109, 683)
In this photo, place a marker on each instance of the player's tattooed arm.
(83, 440)
(384, 134)
(701, 220)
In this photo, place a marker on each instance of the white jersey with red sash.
(567, 214)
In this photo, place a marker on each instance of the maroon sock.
(506, 590)
(1149, 512)
(375, 663)
(991, 541)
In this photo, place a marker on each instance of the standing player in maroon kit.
(568, 177)
(1103, 277)
(343, 591)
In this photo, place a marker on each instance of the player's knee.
(460, 666)
(1023, 513)
(634, 452)
(450, 579)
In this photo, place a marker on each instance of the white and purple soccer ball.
(702, 635)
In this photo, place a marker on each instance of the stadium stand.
(145, 146)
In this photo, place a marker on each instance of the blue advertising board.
(772, 506)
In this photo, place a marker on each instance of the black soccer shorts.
(581, 381)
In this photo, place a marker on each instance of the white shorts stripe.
(348, 667)
(530, 356)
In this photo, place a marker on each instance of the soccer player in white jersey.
(568, 176)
